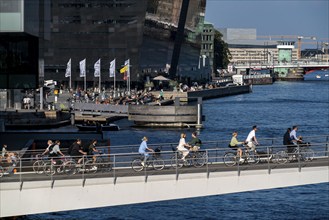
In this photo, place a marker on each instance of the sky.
(273, 17)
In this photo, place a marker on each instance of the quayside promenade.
(34, 186)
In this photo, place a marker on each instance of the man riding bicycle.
(251, 139)
(195, 143)
(143, 150)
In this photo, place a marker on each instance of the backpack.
(69, 151)
(85, 148)
(51, 147)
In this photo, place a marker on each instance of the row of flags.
(97, 69)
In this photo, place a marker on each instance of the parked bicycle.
(155, 160)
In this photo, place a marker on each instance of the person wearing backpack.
(50, 146)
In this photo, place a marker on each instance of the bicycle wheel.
(307, 154)
(2, 172)
(90, 167)
(281, 157)
(49, 168)
(158, 164)
(200, 159)
(38, 167)
(136, 165)
(252, 158)
(70, 168)
(229, 159)
(176, 162)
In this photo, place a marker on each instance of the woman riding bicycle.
(236, 145)
(181, 146)
(142, 150)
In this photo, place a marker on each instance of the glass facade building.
(39, 37)
(19, 45)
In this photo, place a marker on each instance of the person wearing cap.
(143, 150)
(251, 139)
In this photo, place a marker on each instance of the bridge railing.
(119, 165)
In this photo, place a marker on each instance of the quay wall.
(163, 115)
(219, 92)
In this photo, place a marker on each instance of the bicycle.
(39, 164)
(302, 152)
(194, 158)
(64, 165)
(154, 160)
(101, 163)
(248, 157)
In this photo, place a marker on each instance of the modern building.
(45, 34)
(245, 48)
(19, 42)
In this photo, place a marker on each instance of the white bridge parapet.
(39, 197)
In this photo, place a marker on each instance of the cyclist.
(287, 141)
(53, 150)
(251, 139)
(236, 145)
(92, 150)
(195, 143)
(75, 150)
(293, 135)
(181, 146)
(143, 150)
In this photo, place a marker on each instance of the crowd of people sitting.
(8, 158)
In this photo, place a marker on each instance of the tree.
(222, 54)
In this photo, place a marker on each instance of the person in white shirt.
(251, 139)
(293, 135)
(181, 146)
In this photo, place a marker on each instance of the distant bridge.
(268, 65)
(26, 193)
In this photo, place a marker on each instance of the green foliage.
(222, 54)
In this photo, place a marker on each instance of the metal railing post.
(83, 171)
(327, 146)
(176, 159)
(268, 160)
(299, 156)
(239, 167)
(20, 173)
(113, 168)
(207, 164)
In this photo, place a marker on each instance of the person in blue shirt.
(143, 150)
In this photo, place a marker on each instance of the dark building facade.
(38, 37)
(19, 44)
(92, 30)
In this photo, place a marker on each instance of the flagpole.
(99, 75)
(70, 82)
(85, 85)
(114, 75)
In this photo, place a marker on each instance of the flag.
(112, 68)
(127, 64)
(83, 68)
(68, 69)
(97, 67)
(123, 69)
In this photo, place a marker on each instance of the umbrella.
(161, 78)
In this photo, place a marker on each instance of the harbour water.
(273, 108)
